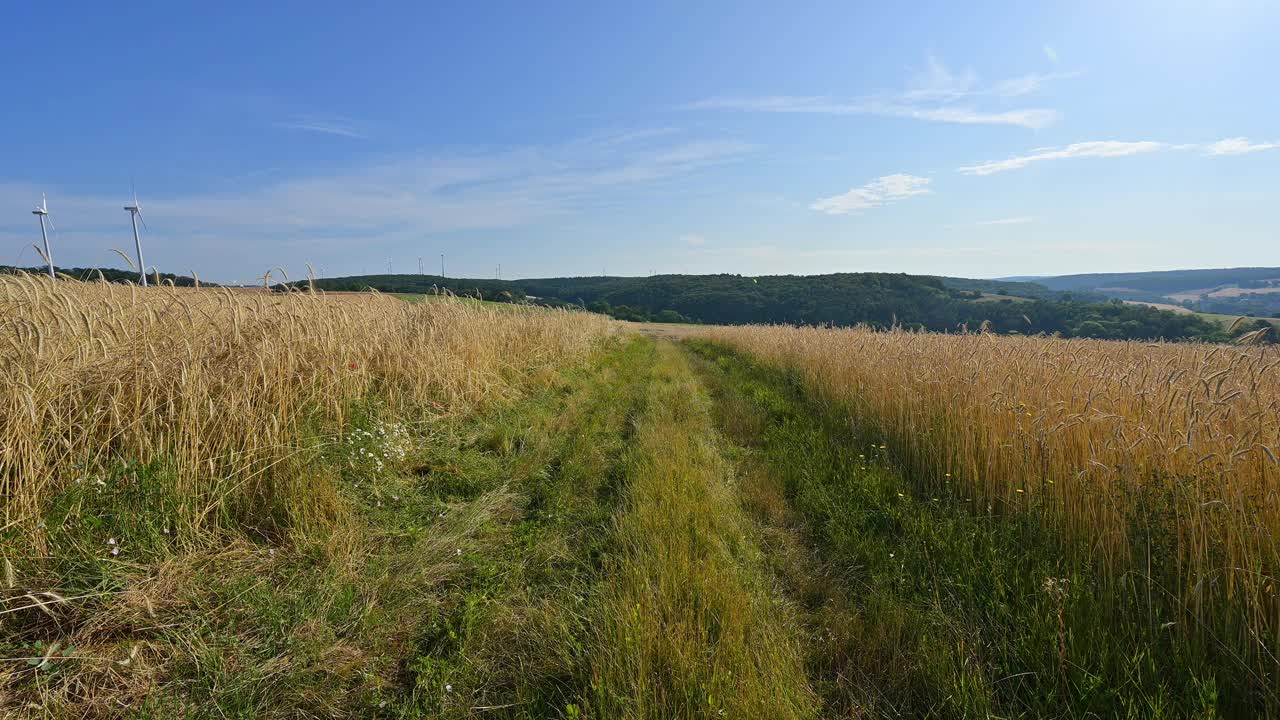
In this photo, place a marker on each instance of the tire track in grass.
(512, 643)
(689, 624)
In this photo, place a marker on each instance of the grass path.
(690, 625)
(511, 640)
(626, 579)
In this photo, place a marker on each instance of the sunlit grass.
(690, 626)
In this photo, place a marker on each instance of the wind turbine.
(135, 214)
(43, 212)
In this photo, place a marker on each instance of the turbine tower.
(135, 214)
(43, 212)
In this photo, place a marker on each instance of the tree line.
(881, 300)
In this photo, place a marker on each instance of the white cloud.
(1033, 118)
(1008, 221)
(693, 239)
(1027, 84)
(1094, 149)
(937, 94)
(307, 123)
(937, 81)
(880, 191)
(1238, 146)
(1001, 221)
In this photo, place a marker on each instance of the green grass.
(513, 639)
(920, 605)
(689, 625)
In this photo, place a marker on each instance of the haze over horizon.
(991, 141)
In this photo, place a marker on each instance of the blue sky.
(566, 139)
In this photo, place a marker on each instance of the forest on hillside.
(843, 299)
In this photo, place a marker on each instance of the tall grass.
(219, 386)
(1157, 462)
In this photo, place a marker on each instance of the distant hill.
(876, 299)
(1231, 291)
(1026, 288)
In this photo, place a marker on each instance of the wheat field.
(237, 439)
(164, 450)
(219, 384)
(1158, 461)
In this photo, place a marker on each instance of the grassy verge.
(918, 604)
(689, 625)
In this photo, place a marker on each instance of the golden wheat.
(219, 384)
(1104, 438)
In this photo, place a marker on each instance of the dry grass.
(1159, 461)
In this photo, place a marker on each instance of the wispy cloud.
(1238, 146)
(324, 217)
(1114, 148)
(1031, 118)
(693, 239)
(878, 192)
(306, 123)
(1093, 149)
(937, 94)
(989, 223)
(823, 105)
(938, 82)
